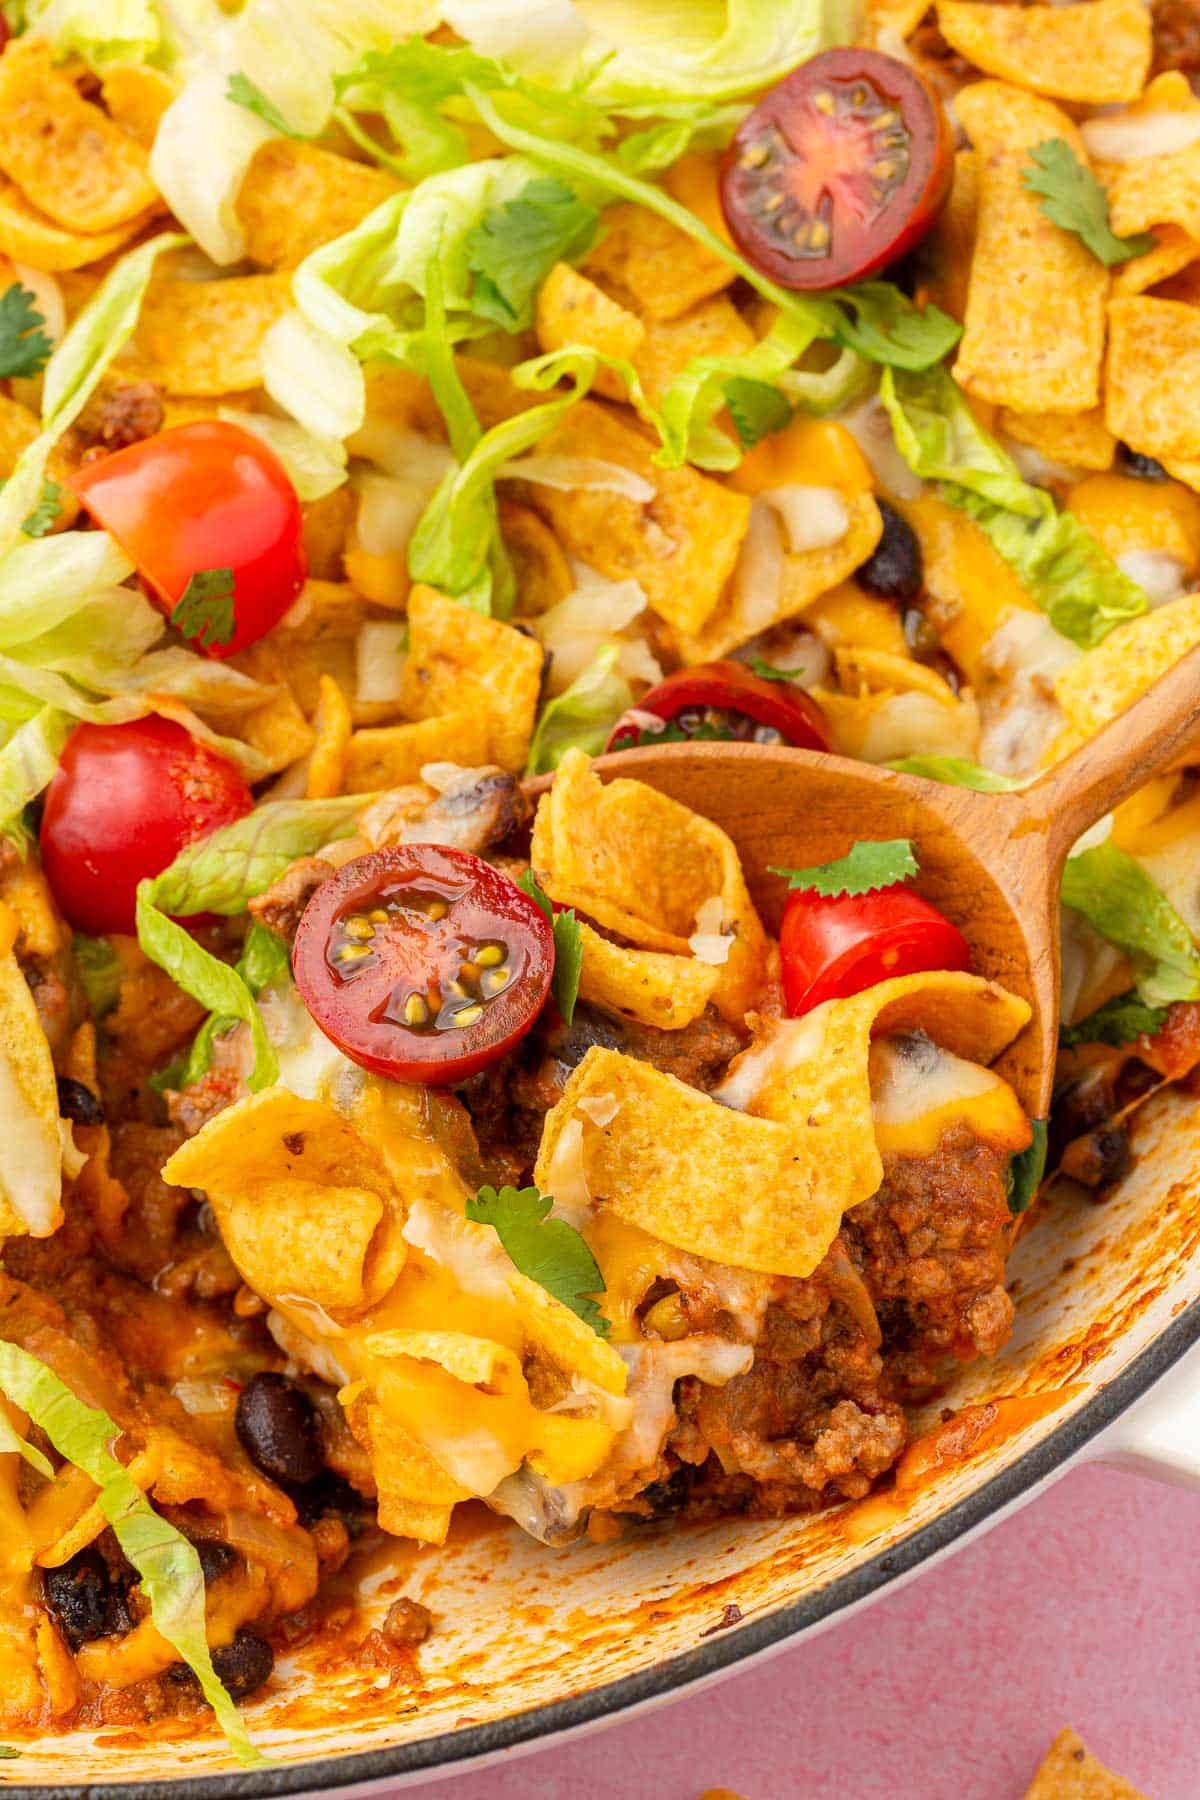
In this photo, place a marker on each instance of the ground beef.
(508, 1101)
(126, 413)
(164, 1240)
(931, 1245)
(407, 1622)
(808, 1424)
(1177, 38)
(280, 908)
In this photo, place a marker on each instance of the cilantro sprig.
(568, 946)
(1118, 1021)
(548, 1251)
(204, 611)
(515, 246)
(1072, 198)
(24, 347)
(871, 864)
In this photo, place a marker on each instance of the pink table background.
(1083, 1609)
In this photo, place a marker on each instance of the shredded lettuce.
(264, 959)
(99, 969)
(956, 771)
(1078, 586)
(11, 1442)
(583, 715)
(219, 874)
(169, 1568)
(1119, 900)
(456, 545)
(27, 765)
(291, 54)
(315, 465)
(640, 53)
(875, 319)
(99, 31)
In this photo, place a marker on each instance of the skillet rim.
(475, 1742)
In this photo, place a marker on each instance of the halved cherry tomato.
(726, 700)
(122, 805)
(839, 169)
(208, 504)
(835, 947)
(423, 963)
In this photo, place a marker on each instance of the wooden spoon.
(992, 862)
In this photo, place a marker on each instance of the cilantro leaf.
(1117, 1022)
(204, 611)
(756, 408)
(548, 1251)
(873, 863)
(768, 672)
(515, 246)
(1072, 197)
(45, 512)
(24, 347)
(241, 91)
(1026, 1168)
(568, 947)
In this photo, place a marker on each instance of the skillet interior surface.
(530, 1641)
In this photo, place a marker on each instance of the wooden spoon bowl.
(991, 862)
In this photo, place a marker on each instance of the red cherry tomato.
(124, 802)
(423, 963)
(206, 500)
(726, 700)
(839, 169)
(835, 947)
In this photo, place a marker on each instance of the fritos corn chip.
(31, 1156)
(67, 156)
(279, 1169)
(1109, 678)
(387, 756)
(460, 661)
(1152, 380)
(681, 546)
(202, 338)
(642, 865)
(1093, 53)
(1034, 330)
(296, 197)
(650, 985)
(651, 266)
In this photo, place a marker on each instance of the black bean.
(332, 1495)
(669, 1495)
(1099, 1158)
(1079, 1107)
(86, 1600)
(279, 1430)
(242, 1665)
(1145, 468)
(78, 1103)
(216, 1558)
(895, 569)
(1135, 1079)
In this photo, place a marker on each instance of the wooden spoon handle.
(1159, 729)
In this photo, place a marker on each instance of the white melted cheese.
(1020, 713)
(789, 1043)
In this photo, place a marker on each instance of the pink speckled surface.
(1084, 1607)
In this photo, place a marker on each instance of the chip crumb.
(1071, 1772)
